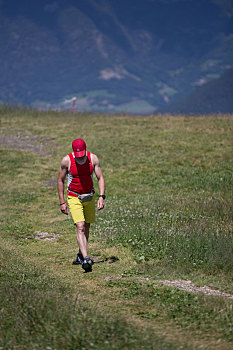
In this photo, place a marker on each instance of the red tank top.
(80, 177)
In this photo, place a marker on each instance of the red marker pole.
(73, 104)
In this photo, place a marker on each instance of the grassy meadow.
(167, 216)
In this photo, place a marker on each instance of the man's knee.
(80, 226)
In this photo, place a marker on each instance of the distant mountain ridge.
(213, 97)
(113, 56)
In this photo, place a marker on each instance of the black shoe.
(79, 260)
(87, 264)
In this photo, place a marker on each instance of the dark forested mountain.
(216, 96)
(136, 56)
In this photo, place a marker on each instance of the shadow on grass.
(109, 260)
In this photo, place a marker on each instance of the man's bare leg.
(82, 236)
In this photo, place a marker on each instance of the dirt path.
(185, 285)
(188, 286)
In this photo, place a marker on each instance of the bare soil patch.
(46, 236)
(25, 142)
(50, 183)
(111, 278)
(190, 287)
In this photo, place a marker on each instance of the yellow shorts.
(81, 211)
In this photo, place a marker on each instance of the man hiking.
(79, 166)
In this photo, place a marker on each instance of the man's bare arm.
(100, 178)
(60, 183)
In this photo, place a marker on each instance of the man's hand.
(100, 204)
(64, 209)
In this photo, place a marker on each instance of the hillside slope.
(213, 97)
(113, 56)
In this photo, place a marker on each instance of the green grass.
(191, 237)
(39, 313)
(183, 308)
(168, 215)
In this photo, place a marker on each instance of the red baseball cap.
(79, 147)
